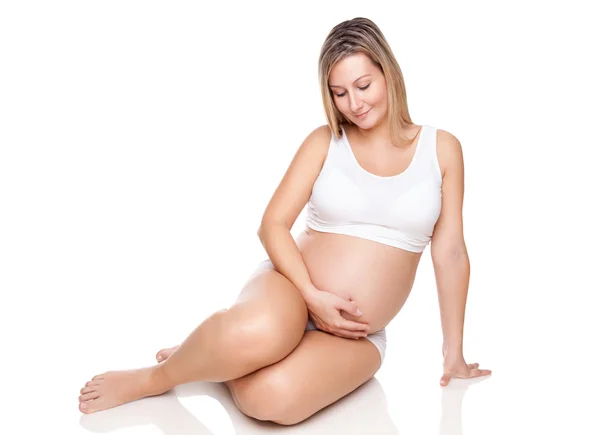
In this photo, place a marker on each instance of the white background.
(142, 140)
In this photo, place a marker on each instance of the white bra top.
(400, 210)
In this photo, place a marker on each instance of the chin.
(367, 123)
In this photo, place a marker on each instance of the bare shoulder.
(295, 188)
(323, 130)
(318, 140)
(314, 148)
(449, 151)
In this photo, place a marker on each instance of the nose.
(355, 103)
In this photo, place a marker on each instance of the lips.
(363, 114)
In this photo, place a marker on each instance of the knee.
(270, 398)
(249, 332)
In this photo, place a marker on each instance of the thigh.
(321, 370)
(267, 289)
(272, 310)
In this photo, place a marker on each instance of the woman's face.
(359, 88)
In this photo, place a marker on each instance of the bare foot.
(112, 389)
(163, 354)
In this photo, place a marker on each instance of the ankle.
(158, 380)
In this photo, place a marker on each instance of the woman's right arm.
(287, 202)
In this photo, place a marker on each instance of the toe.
(85, 390)
(85, 407)
(92, 384)
(163, 354)
(93, 405)
(89, 396)
(98, 377)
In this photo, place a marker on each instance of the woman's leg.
(263, 326)
(320, 371)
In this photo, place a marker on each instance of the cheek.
(381, 96)
(339, 103)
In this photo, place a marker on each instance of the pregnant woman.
(308, 327)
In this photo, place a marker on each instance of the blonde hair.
(361, 35)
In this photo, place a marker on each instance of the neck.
(378, 135)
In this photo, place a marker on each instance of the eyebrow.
(335, 86)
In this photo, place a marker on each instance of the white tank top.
(399, 211)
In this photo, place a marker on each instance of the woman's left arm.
(451, 260)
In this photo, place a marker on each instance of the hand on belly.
(375, 314)
(377, 278)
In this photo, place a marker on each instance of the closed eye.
(362, 89)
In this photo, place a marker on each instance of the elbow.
(449, 254)
(267, 226)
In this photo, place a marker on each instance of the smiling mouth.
(364, 113)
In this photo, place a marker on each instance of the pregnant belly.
(377, 277)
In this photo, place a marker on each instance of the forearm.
(285, 256)
(452, 277)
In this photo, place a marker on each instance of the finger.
(349, 307)
(353, 326)
(348, 334)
